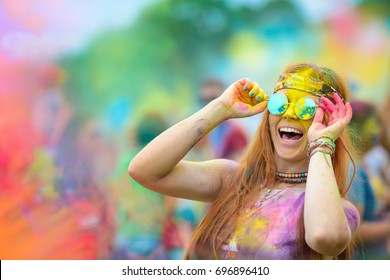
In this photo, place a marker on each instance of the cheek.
(307, 124)
(273, 122)
(272, 119)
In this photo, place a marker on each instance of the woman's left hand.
(339, 115)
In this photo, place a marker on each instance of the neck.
(287, 166)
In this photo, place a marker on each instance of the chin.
(292, 157)
(290, 142)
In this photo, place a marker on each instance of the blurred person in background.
(39, 217)
(140, 213)
(378, 160)
(229, 139)
(51, 111)
(375, 226)
(81, 185)
(274, 203)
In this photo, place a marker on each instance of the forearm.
(160, 156)
(326, 225)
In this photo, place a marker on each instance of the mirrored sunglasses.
(305, 107)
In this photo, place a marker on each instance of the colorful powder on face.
(304, 107)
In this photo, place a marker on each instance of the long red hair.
(258, 165)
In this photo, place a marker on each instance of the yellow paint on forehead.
(303, 81)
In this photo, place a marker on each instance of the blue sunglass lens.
(277, 104)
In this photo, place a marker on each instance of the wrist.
(219, 110)
(321, 138)
(320, 150)
(322, 144)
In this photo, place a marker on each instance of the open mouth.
(289, 133)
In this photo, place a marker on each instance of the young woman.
(285, 198)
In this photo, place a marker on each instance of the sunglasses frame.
(295, 108)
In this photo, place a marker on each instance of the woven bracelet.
(321, 143)
(321, 137)
(321, 151)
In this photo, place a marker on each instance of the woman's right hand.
(243, 98)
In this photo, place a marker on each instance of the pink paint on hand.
(243, 107)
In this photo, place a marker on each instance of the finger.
(340, 104)
(260, 96)
(324, 108)
(247, 85)
(254, 91)
(319, 116)
(243, 81)
(260, 107)
(339, 101)
(348, 112)
(242, 84)
(343, 122)
(329, 105)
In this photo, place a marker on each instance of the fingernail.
(245, 88)
(258, 97)
(251, 94)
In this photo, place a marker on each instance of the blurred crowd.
(370, 190)
(64, 188)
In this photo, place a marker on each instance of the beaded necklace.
(291, 178)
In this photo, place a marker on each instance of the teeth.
(289, 129)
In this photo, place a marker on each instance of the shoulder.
(347, 204)
(227, 168)
(221, 167)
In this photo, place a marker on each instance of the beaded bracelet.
(319, 143)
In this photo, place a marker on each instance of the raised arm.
(159, 166)
(326, 225)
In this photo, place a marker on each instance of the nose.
(290, 112)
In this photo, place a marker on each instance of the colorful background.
(84, 85)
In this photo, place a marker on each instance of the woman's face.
(288, 132)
